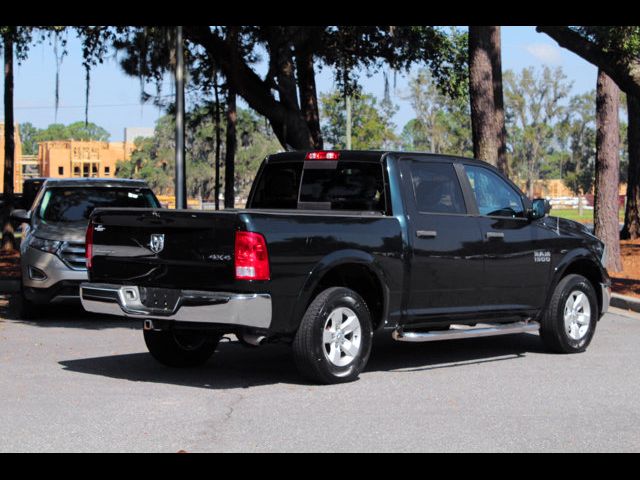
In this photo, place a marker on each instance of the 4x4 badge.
(157, 242)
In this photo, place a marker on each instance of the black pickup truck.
(334, 246)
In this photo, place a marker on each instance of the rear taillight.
(89, 245)
(251, 257)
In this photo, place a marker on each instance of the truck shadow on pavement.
(234, 366)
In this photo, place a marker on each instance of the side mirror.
(539, 208)
(21, 216)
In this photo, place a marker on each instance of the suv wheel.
(176, 348)
(333, 342)
(570, 320)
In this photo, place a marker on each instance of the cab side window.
(436, 188)
(494, 196)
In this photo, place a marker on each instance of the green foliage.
(255, 142)
(30, 135)
(372, 127)
(579, 130)
(145, 52)
(442, 124)
(620, 39)
(350, 48)
(28, 138)
(154, 158)
(73, 131)
(535, 103)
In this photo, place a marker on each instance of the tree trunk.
(495, 45)
(631, 229)
(607, 169)
(216, 188)
(8, 237)
(288, 124)
(232, 118)
(308, 95)
(481, 95)
(230, 154)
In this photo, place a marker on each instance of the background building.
(73, 158)
(67, 158)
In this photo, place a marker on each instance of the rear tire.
(181, 348)
(570, 320)
(334, 339)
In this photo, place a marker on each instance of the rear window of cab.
(339, 185)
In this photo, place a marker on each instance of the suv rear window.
(342, 185)
(75, 204)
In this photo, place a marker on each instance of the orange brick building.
(64, 159)
(556, 188)
(72, 158)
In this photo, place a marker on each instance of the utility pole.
(181, 178)
(348, 101)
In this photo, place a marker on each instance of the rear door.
(446, 265)
(517, 265)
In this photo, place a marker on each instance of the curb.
(625, 302)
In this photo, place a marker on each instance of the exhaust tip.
(148, 325)
(251, 340)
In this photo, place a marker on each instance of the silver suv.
(53, 236)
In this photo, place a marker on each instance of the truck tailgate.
(165, 248)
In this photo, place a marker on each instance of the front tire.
(570, 320)
(26, 309)
(176, 348)
(334, 340)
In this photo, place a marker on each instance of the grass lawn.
(572, 214)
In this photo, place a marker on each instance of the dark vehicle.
(334, 246)
(30, 189)
(52, 251)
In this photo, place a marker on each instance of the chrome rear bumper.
(247, 310)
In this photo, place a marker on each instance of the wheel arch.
(354, 269)
(581, 262)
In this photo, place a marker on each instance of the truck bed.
(199, 246)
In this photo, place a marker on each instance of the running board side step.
(454, 334)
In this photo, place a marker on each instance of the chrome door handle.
(495, 235)
(426, 234)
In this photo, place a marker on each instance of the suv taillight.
(251, 257)
(89, 245)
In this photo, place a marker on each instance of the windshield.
(75, 204)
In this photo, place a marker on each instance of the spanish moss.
(142, 60)
(58, 65)
(87, 68)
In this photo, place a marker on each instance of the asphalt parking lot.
(77, 383)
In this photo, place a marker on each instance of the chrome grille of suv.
(73, 255)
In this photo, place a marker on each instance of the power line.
(44, 107)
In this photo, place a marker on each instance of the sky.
(114, 97)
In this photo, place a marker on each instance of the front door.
(517, 266)
(446, 265)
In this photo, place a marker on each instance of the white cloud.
(545, 53)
